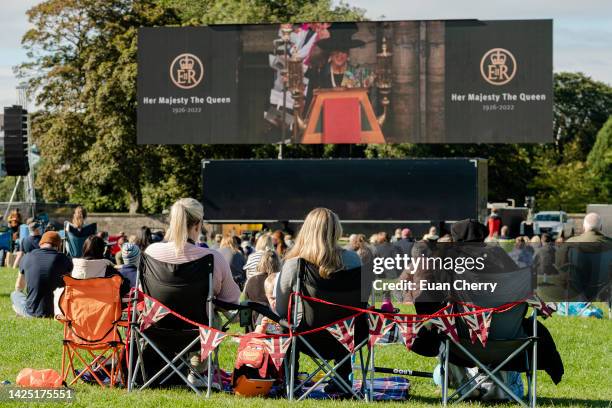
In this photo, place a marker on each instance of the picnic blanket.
(385, 389)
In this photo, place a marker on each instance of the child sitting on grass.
(266, 325)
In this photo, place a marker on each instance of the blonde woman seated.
(174, 273)
(327, 272)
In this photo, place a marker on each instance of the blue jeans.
(18, 299)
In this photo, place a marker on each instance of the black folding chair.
(507, 347)
(171, 338)
(342, 288)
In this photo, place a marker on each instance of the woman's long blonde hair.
(264, 242)
(269, 262)
(229, 242)
(317, 241)
(184, 214)
(79, 216)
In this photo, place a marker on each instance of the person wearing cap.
(131, 257)
(41, 270)
(29, 243)
(32, 241)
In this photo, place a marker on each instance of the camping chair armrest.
(227, 305)
(523, 338)
(254, 306)
(267, 312)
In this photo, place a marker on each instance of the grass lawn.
(584, 344)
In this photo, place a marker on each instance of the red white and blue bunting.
(477, 320)
(209, 340)
(344, 332)
(545, 308)
(445, 322)
(408, 327)
(277, 348)
(152, 313)
(378, 326)
(477, 323)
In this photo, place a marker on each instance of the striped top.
(251, 264)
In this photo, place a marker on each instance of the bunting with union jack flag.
(478, 323)
(277, 348)
(152, 313)
(409, 327)
(344, 332)
(378, 325)
(545, 308)
(209, 340)
(446, 324)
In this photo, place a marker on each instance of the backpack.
(253, 363)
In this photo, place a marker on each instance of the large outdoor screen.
(378, 190)
(463, 81)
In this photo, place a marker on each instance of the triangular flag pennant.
(545, 308)
(378, 326)
(409, 327)
(344, 333)
(152, 313)
(477, 323)
(209, 340)
(446, 324)
(277, 348)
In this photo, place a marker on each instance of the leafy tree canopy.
(82, 68)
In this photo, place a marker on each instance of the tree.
(262, 11)
(573, 184)
(599, 161)
(82, 67)
(581, 107)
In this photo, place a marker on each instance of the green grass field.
(584, 344)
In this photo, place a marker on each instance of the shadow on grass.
(567, 402)
(554, 402)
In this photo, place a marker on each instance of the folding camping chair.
(75, 238)
(91, 314)
(171, 339)
(589, 271)
(6, 240)
(342, 288)
(503, 350)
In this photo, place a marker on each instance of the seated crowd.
(261, 267)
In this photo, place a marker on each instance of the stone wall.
(114, 223)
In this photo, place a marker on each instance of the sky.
(582, 34)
